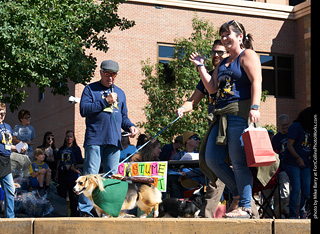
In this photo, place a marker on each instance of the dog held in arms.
(145, 196)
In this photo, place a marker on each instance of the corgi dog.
(145, 196)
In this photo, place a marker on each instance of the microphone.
(112, 88)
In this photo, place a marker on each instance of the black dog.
(182, 208)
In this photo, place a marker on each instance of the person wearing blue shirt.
(6, 179)
(104, 106)
(279, 144)
(213, 192)
(297, 159)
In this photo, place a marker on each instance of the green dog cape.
(112, 197)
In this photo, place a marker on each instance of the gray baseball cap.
(109, 65)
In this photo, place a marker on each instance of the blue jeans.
(110, 156)
(300, 179)
(9, 190)
(238, 179)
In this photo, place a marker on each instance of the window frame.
(276, 68)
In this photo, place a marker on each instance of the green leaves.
(165, 98)
(44, 41)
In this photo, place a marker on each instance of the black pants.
(65, 188)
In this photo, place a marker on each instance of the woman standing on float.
(237, 84)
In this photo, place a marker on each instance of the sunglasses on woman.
(236, 23)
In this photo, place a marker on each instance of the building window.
(165, 54)
(277, 75)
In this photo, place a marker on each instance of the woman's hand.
(196, 59)
(254, 116)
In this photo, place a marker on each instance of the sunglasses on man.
(109, 74)
(196, 138)
(217, 52)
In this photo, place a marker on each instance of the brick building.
(282, 37)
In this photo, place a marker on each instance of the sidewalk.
(154, 226)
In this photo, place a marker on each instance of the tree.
(44, 41)
(165, 97)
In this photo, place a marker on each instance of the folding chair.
(264, 202)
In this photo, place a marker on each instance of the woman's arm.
(252, 66)
(210, 82)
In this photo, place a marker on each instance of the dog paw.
(143, 216)
(196, 214)
(127, 216)
(156, 214)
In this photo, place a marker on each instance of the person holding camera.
(104, 106)
(69, 156)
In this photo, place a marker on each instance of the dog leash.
(137, 150)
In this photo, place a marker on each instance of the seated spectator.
(142, 139)
(24, 132)
(127, 148)
(182, 180)
(191, 141)
(148, 153)
(51, 152)
(40, 173)
(168, 150)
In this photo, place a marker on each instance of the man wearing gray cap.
(104, 106)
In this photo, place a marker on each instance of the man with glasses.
(104, 106)
(218, 52)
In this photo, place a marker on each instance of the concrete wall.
(160, 226)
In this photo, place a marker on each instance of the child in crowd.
(24, 132)
(68, 156)
(40, 173)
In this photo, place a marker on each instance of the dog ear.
(98, 181)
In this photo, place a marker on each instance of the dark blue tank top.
(234, 84)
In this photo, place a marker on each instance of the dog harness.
(112, 197)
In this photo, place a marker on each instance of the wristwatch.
(254, 107)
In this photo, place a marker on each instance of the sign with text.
(155, 170)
